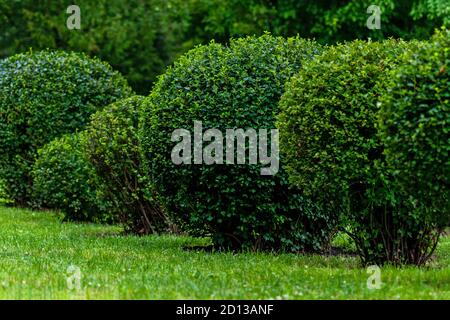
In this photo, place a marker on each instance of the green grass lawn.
(36, 250)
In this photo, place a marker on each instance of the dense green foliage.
(229, 88)
(63, 179)
(328, 21)
(111, 145)
(333, 151)
(415, 124)
(42, 96)
(138, 38)
(4, 197)
(329, 113)
(141, 37)
(364, 125)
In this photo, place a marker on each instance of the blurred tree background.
(141, 37)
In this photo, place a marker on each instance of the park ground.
(43, 258)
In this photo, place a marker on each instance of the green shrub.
(63, 179)
(328, 129)
(415, 125)
(42, 96)
(111, 145)
(228, 88)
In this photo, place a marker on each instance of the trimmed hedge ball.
(111, 144)
(235, 87)
(329, 135)
(42, 96)
(415, 124)
(64, 180)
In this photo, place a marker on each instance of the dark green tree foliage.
(415, 125)
(141, 37)
(227, 88)
(328, 21)
(111, 145)
(64, 180)
(138, 38)
(328, 127)
(42, 96)
(436, 11)
(4, 198)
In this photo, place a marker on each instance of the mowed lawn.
(38, 253)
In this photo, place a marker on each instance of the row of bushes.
(140, 38)
(95, 174)
(42, 96)
(363, 137)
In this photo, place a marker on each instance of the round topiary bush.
(42, 96)
(111, 144)
(415, 125)
(63, 179)
(235, 87)
(328, 129)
